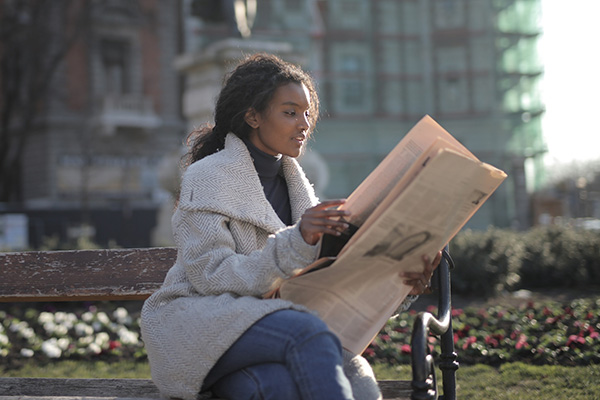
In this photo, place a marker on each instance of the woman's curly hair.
(250, 85)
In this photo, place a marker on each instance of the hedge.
(496, 260)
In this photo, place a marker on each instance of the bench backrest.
(115, 274)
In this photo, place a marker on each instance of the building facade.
(113, 113)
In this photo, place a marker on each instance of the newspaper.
(411, 205)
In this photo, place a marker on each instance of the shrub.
(488, 262)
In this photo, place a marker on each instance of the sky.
(571, 87)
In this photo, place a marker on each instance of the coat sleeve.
(214, 265)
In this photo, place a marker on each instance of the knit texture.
(361, 377)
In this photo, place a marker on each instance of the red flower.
(530, 304)
(522, 342)
(406, 349)
(568, 310)
(574, 340)
(114, 344)
(470, 340)
(491, 341)
(457, 311)
(589, 315)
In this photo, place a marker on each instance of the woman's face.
(282, 128)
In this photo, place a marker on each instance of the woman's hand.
(422, 281)
(322, 219)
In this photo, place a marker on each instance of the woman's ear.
(251, 118)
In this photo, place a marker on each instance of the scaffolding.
(520, 71)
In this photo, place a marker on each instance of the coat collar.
(227, 183)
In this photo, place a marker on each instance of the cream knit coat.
(232, 248)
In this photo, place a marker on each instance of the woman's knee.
(302, 325)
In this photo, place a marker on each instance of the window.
(115, 65)
(353, 93)
(294, 5)
(450, 14)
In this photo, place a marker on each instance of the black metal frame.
(424, 382)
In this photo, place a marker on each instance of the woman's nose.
(304, 123)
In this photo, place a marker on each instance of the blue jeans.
(285, 355)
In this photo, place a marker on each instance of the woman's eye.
(292, 113)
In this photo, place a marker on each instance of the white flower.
(122, 316)
(103, 318)
(102, 339)
(45, 317)
(82, 329)
(61, 330)
(63, 343)
(23, 329)
(3, 339)
(60, 316)
(94, 348)
(65, 319)
(50, 348)
(49, 327)
(128, 337)
(87, 316)
(85, 341)
(26, 352)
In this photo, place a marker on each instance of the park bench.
(134, 274)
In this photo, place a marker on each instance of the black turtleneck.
(272, 180)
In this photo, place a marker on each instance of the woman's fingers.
(421, 281)
(322, 219)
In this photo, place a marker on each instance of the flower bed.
(102, 331)
(548, 333)
(538, 333)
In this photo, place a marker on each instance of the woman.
(247, 218)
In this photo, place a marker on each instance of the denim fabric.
(286, 355)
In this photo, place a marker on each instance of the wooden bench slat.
(74, 398)
(116, 274)
(78, 387)
(126, 388)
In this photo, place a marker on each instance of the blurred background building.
(383, 64)
(94, 152)
(91, 104)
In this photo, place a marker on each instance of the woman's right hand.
(321, 219)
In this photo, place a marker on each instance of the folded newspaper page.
(412, 204)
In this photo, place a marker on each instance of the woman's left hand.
(421, 282)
